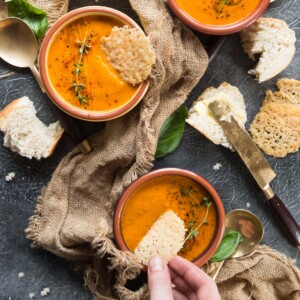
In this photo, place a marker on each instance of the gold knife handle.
(286, 220)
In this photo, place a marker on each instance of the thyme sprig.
(84, 48)
(193, 231)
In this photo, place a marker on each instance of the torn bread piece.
(130, 52)
(274, 41)
(203, 120)
(276, 128)
(165, 238)
(24, 133)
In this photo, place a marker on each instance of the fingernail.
(156, 263)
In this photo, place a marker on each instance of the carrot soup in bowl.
(77, 74)
(185, 193)
(218, 17)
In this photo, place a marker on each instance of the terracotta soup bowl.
(190, 196)
(218, 17)
(76, 74)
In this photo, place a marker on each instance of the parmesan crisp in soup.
(79, 71)
(218, 12)
(185, 197)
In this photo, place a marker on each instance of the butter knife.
(257, 165)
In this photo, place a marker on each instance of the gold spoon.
(250, 228)
(19, 46)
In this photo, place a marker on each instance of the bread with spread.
(202, 119)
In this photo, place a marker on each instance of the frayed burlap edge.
(34, 223)
(123, 262)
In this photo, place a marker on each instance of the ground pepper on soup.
(183, 196)
(218, 12)
(78, 69)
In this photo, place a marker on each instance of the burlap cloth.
(73, 217)
(54, 8)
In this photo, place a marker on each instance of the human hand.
(190, 282)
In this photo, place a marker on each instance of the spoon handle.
(67, 122)
(37, 77)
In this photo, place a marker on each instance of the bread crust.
(8, 109)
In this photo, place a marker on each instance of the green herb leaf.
(206, 201)
(195, 233)
(171, 132)
(228, 246)
(183, 193)
(36, 18)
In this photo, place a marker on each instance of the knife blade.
(257, 165)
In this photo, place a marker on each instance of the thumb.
(159, 280)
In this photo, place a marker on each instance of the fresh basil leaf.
(36, 18)
(171, 132)
(228, 246)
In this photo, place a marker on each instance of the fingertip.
(159, 280)
(156, 263)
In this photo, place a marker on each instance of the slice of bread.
(165, 238)
(130, 52)
(24, 133)
(274, 41)
(202, 119)
(276, 128)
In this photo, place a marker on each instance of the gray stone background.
(233, 182)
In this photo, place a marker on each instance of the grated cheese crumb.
(45, 291)
(10, 176)
(248, 204)
(21, 274)
(31, 295)
(217, 166)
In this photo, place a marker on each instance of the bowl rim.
(72, 110)
(207, 254)
(218, 29)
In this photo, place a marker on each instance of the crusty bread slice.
(165, 238)
(130, 52)
(276, 128)
(202, 119)
(24, 133)
(274, 40)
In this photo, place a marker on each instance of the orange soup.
(190, 201)
(79, 71)
(218, 12)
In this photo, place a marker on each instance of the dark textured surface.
(233, 182)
